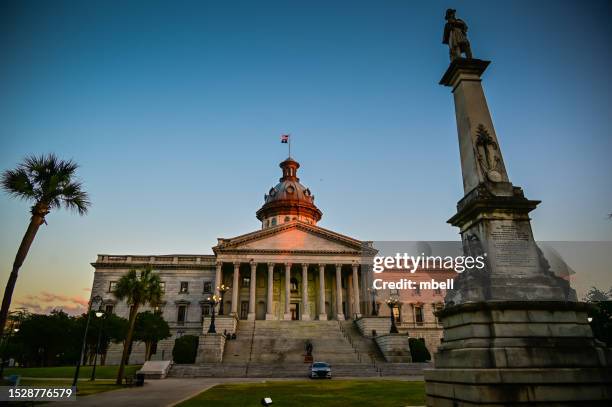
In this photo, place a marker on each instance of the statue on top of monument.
(455, 35)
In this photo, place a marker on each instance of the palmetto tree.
(138, 288)
(48, 183)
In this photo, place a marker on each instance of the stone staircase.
(276, 349)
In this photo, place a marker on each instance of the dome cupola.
(288, 200)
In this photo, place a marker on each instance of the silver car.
(320, 370)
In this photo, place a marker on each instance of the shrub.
(185, 349)
(418, 350)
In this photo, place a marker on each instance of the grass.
(102, 372)
(333, 393)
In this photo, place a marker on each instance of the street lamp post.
(99, 314)
(213, 301)
(222, 290)
(391, 303)
(96, 299)
(374, 293)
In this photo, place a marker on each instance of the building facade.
(290, 269)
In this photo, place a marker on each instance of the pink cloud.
(45, 302)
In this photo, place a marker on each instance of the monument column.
(287, 315)
(357, 305)
(537, 348)
(305, 311)
(339, 313)
(218, 277)
(235, 288)
(252, 287)
(269, 308)
(322, 313)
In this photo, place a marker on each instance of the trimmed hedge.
(418, 350)
(185, 349)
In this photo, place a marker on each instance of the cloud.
(45, 302)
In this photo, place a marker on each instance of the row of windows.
(184, 287)
(181, 316)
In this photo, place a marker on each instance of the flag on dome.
(285, 138)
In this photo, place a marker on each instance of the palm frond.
(18, 184)
(48, 180)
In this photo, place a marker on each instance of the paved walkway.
(172, 391)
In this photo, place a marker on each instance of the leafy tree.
(601, 315)
(48, 183)
(114, 328)
(45, 340)
(138, 289)
(150, 328)
(594, 294)
(185, 349)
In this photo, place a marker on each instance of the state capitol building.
(290, 270)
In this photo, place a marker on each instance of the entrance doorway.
(244, 309)
(294, 308)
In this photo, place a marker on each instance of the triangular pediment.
(291, 237)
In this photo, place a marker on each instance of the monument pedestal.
(519, 353)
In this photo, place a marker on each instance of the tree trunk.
(39, 211)
(126, 344)
(148, 346)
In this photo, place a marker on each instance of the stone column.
(235, 289)
(287, 315)
(322, 313)
(356, 302)
(305, 310)
(339, 313)
(269, 308)
(252, 287)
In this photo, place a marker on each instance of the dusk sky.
(174, 111)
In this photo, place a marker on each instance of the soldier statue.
(455, 35)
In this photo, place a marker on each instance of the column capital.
(271, 265)
(321, 265)
(338, 265)
(305, 266)
(236, 264)
(219, 263)
(253, 263)
(355, 266)
(288, 264)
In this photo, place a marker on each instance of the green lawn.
(340, 393)
(102, 372)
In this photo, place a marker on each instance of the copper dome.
(289, 198)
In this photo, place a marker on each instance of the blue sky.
(174, 111)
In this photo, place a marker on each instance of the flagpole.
(289, 145)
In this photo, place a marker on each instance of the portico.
(290, 287)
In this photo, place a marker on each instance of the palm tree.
(137, 290)
(49, 183)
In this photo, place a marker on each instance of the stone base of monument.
(210, 348)
(519, 353)
(394, 347)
